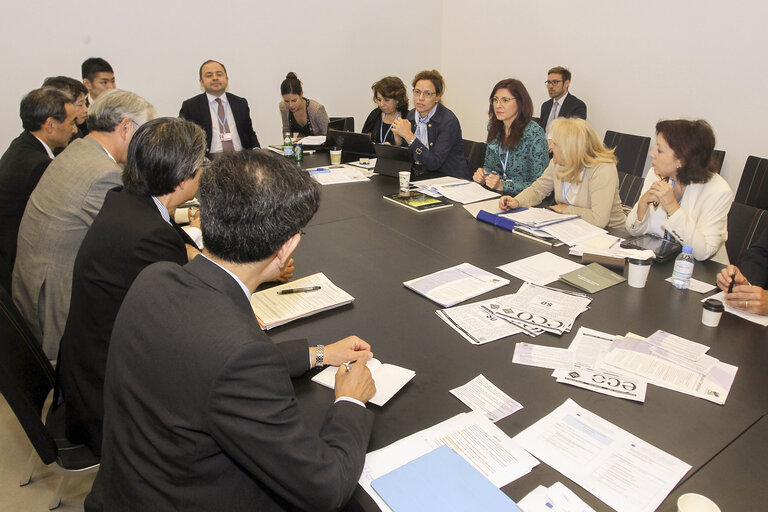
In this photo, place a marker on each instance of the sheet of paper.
(620, 469)
(467, 192)
(542, 268)
(476, 323)
(537, 217)
(456, 284)
(389, 379)
(335, 174)
(471, 435)
(697, 286)
(550, 309)
(752, 317)
(312, 140)
(605, 382)
(608, 245)
(490, 206)
(589, 347)
(555, 498)
(677, 345)
(481, 395)
(574, 231)
(543, 357)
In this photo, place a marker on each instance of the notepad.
(389, 379)
(438, 481)
(456, 284)
(592, 278)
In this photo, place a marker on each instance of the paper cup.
(711, 312)
(638, 272)
(696, 503)
(335, 156)
(405, 182)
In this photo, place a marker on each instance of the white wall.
(633, 63)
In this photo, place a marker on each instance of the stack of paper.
(456, 284)
(555, 498)
(389, 379)
(456, 189)
(538, 217)
(335, 174)
(273, 308)
(608, 245)
(542, 268)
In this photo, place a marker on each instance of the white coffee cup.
(692, 502)
(405, 182)
(711, 312)
(638, 272)
(335, 156)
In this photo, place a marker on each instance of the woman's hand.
(479, 176)
(663, 193)
(508, 203)
(559, 207)
(402, 128)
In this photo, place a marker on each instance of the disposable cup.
(711, 312)
(405, 182)
(692, 502)
(638, 272)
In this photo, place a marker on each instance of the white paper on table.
(752, 317)
(550, 309)
(605, 382)
(589, 347)
(476, 324)
(311, 140)
(543, 357)
(620, 469)
(471, 435)
(542, 268)
(573, 231)
(538, 217)
(609, 245)
(456, 284)
(467, 192)
(481, 395)
(490, 206)
(677, 345)
(696, 285)
(389, 379)
(556, 498)
(338, 174)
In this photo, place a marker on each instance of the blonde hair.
(580, 146)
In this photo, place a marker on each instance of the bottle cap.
(687, 249)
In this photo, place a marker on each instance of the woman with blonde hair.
(582, 175)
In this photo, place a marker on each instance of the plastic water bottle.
(287, 144)
(681, 275)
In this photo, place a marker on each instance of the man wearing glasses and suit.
(560, 103)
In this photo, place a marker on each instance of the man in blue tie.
(560, 103)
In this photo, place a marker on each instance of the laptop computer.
(352, 144)
(390, 160)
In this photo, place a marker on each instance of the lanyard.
(504, 163)
(223, 123)
(383, 136)
(566, 190)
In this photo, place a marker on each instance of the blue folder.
(441, 481)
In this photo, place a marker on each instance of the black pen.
(733, 280)
(298, 290)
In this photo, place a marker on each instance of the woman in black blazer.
(392, 99)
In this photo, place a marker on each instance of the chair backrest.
(718, 156)
(26, 377)
(631, 151)
(475, 153)
(630, 187)
(753, 186)
(343, 124)
(745, 224)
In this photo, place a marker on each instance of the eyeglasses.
(552, 82)
(426, 94)
(503, 101)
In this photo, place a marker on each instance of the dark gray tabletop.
(369, 246)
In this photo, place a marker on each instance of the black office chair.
(475, 153)
(718, 156)
(631, 151)
(630, 187)
(753, 185)
(745, 225)
(26, 379)
(343, 124)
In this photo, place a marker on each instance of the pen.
(298, 290)
(733, 280)
(614, 243)
(348, 364)
(456, 185)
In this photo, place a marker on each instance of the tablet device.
(390, 160)
(663, 249)
(352, 144)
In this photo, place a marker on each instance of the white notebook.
(389, 379)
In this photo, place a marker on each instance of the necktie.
(226, 145)
(552, 117)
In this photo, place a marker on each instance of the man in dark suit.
(225, 117)
(48, 118)
(565, 104)
(77, 94)
(98, 76)
(199, 409)
(132, 230)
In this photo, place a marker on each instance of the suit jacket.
(198, 110)
(21, 167)
(200, 412)
(754, 262)
(56, 219)
(111, 256)
(571, 107)
(446, 146)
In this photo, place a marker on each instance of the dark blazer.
(446, 146)
(21, 167)
(126, 236)
(754, 262)
(198, 110)
(571, 107)
(372, 126)
(200, 412)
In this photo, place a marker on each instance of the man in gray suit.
(62, 208)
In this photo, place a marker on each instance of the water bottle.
(287, 144)
(681, 275)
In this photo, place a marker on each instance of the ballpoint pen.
(298, 290)
(733, 281)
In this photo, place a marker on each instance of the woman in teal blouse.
(517, 151)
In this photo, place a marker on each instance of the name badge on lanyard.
(223, 137)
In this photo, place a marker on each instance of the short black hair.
(93, 66)
(694, 143)
(40, 104)
(163, 153)
(252, 202)
(208, 62)
(65, 84)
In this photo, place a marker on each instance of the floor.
(15, 449)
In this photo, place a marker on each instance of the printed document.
(335, 174)
(556, 498)
(574, 231)
(620, 469)
(542, 268)
(550, 309)
(477, 323)
(481, 395)
(455, 284)
(490, 206)
(542, 356)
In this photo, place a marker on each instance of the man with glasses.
(561, 103)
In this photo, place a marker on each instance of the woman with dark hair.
(301, 115)
(392, 99)
(682, 197)
(433, 132)
(517, 151)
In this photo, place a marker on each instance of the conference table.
(368, 246)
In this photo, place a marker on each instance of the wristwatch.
(320, 355)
